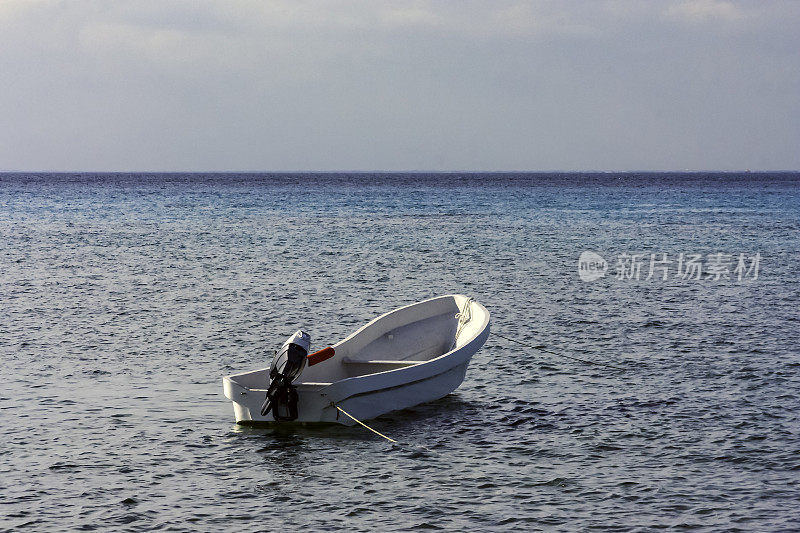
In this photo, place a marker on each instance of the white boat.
(414, 354)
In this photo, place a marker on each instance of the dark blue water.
(124, 298)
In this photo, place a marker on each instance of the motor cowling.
(287, 365)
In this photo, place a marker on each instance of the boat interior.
(405, 337)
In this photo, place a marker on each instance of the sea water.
(124, 299)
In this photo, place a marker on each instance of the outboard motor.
(287, 365)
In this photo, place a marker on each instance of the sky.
(239, 85)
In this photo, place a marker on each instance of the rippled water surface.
(125, 298)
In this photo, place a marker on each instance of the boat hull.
(314, 406)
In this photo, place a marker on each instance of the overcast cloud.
(401, 85)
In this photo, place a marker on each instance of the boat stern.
(313, 405)
(242, 398)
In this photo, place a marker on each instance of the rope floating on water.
(586, 361)
(362, 423)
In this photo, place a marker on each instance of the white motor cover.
(300, 338)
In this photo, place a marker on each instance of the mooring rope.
(586, 361)
(362, 423)
(463, 318)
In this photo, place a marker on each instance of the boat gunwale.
(420, 364)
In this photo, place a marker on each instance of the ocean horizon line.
(401, 172)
